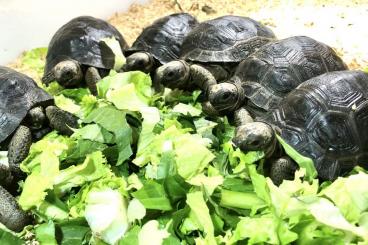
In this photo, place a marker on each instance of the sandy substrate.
(341, 24)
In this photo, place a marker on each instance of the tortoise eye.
(225, 95)
(255, 143)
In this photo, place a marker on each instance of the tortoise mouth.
(209, 110)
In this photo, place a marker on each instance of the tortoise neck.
(241, 95)
(276, 150)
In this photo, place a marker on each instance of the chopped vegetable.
(148, 168)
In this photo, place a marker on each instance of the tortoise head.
(36, 118)
(174, 74)
(226, 97)
(67, 73)
(255, 136)
(139, 61)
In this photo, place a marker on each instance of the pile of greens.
(148, 168)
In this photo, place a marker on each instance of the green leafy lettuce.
(147, 168)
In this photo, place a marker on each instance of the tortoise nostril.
(170, 74)
(68, 74)
(140, 62)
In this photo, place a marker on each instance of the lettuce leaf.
(45, 233)
(49, 177)
(349, 195)
(8, 237)
(127, 91)
(115, 48)
(153, 196)
(106, 214)
(302, 161)
(151, 234)
(201, 214)
(114, 121)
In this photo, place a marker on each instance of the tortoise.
(211, 51)
(265, 77)
(159, 43)
(26, 112)
(77, 52)
(325, 118)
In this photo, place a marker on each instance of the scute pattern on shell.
(225, 39)
(163, 39)
(279, 67)
(18, 94)
(79, 39)
(326, 119)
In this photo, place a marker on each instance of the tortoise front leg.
(60, 120)
(11, 215)
(91, 77)
(282, 169)
(5, 175)
(18, 149)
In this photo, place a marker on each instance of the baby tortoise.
(264, 78)
(211, 51)
(325, 118)
(27, 112)
(77, 52)
(159, 43)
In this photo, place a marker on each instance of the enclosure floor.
(341, 24)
